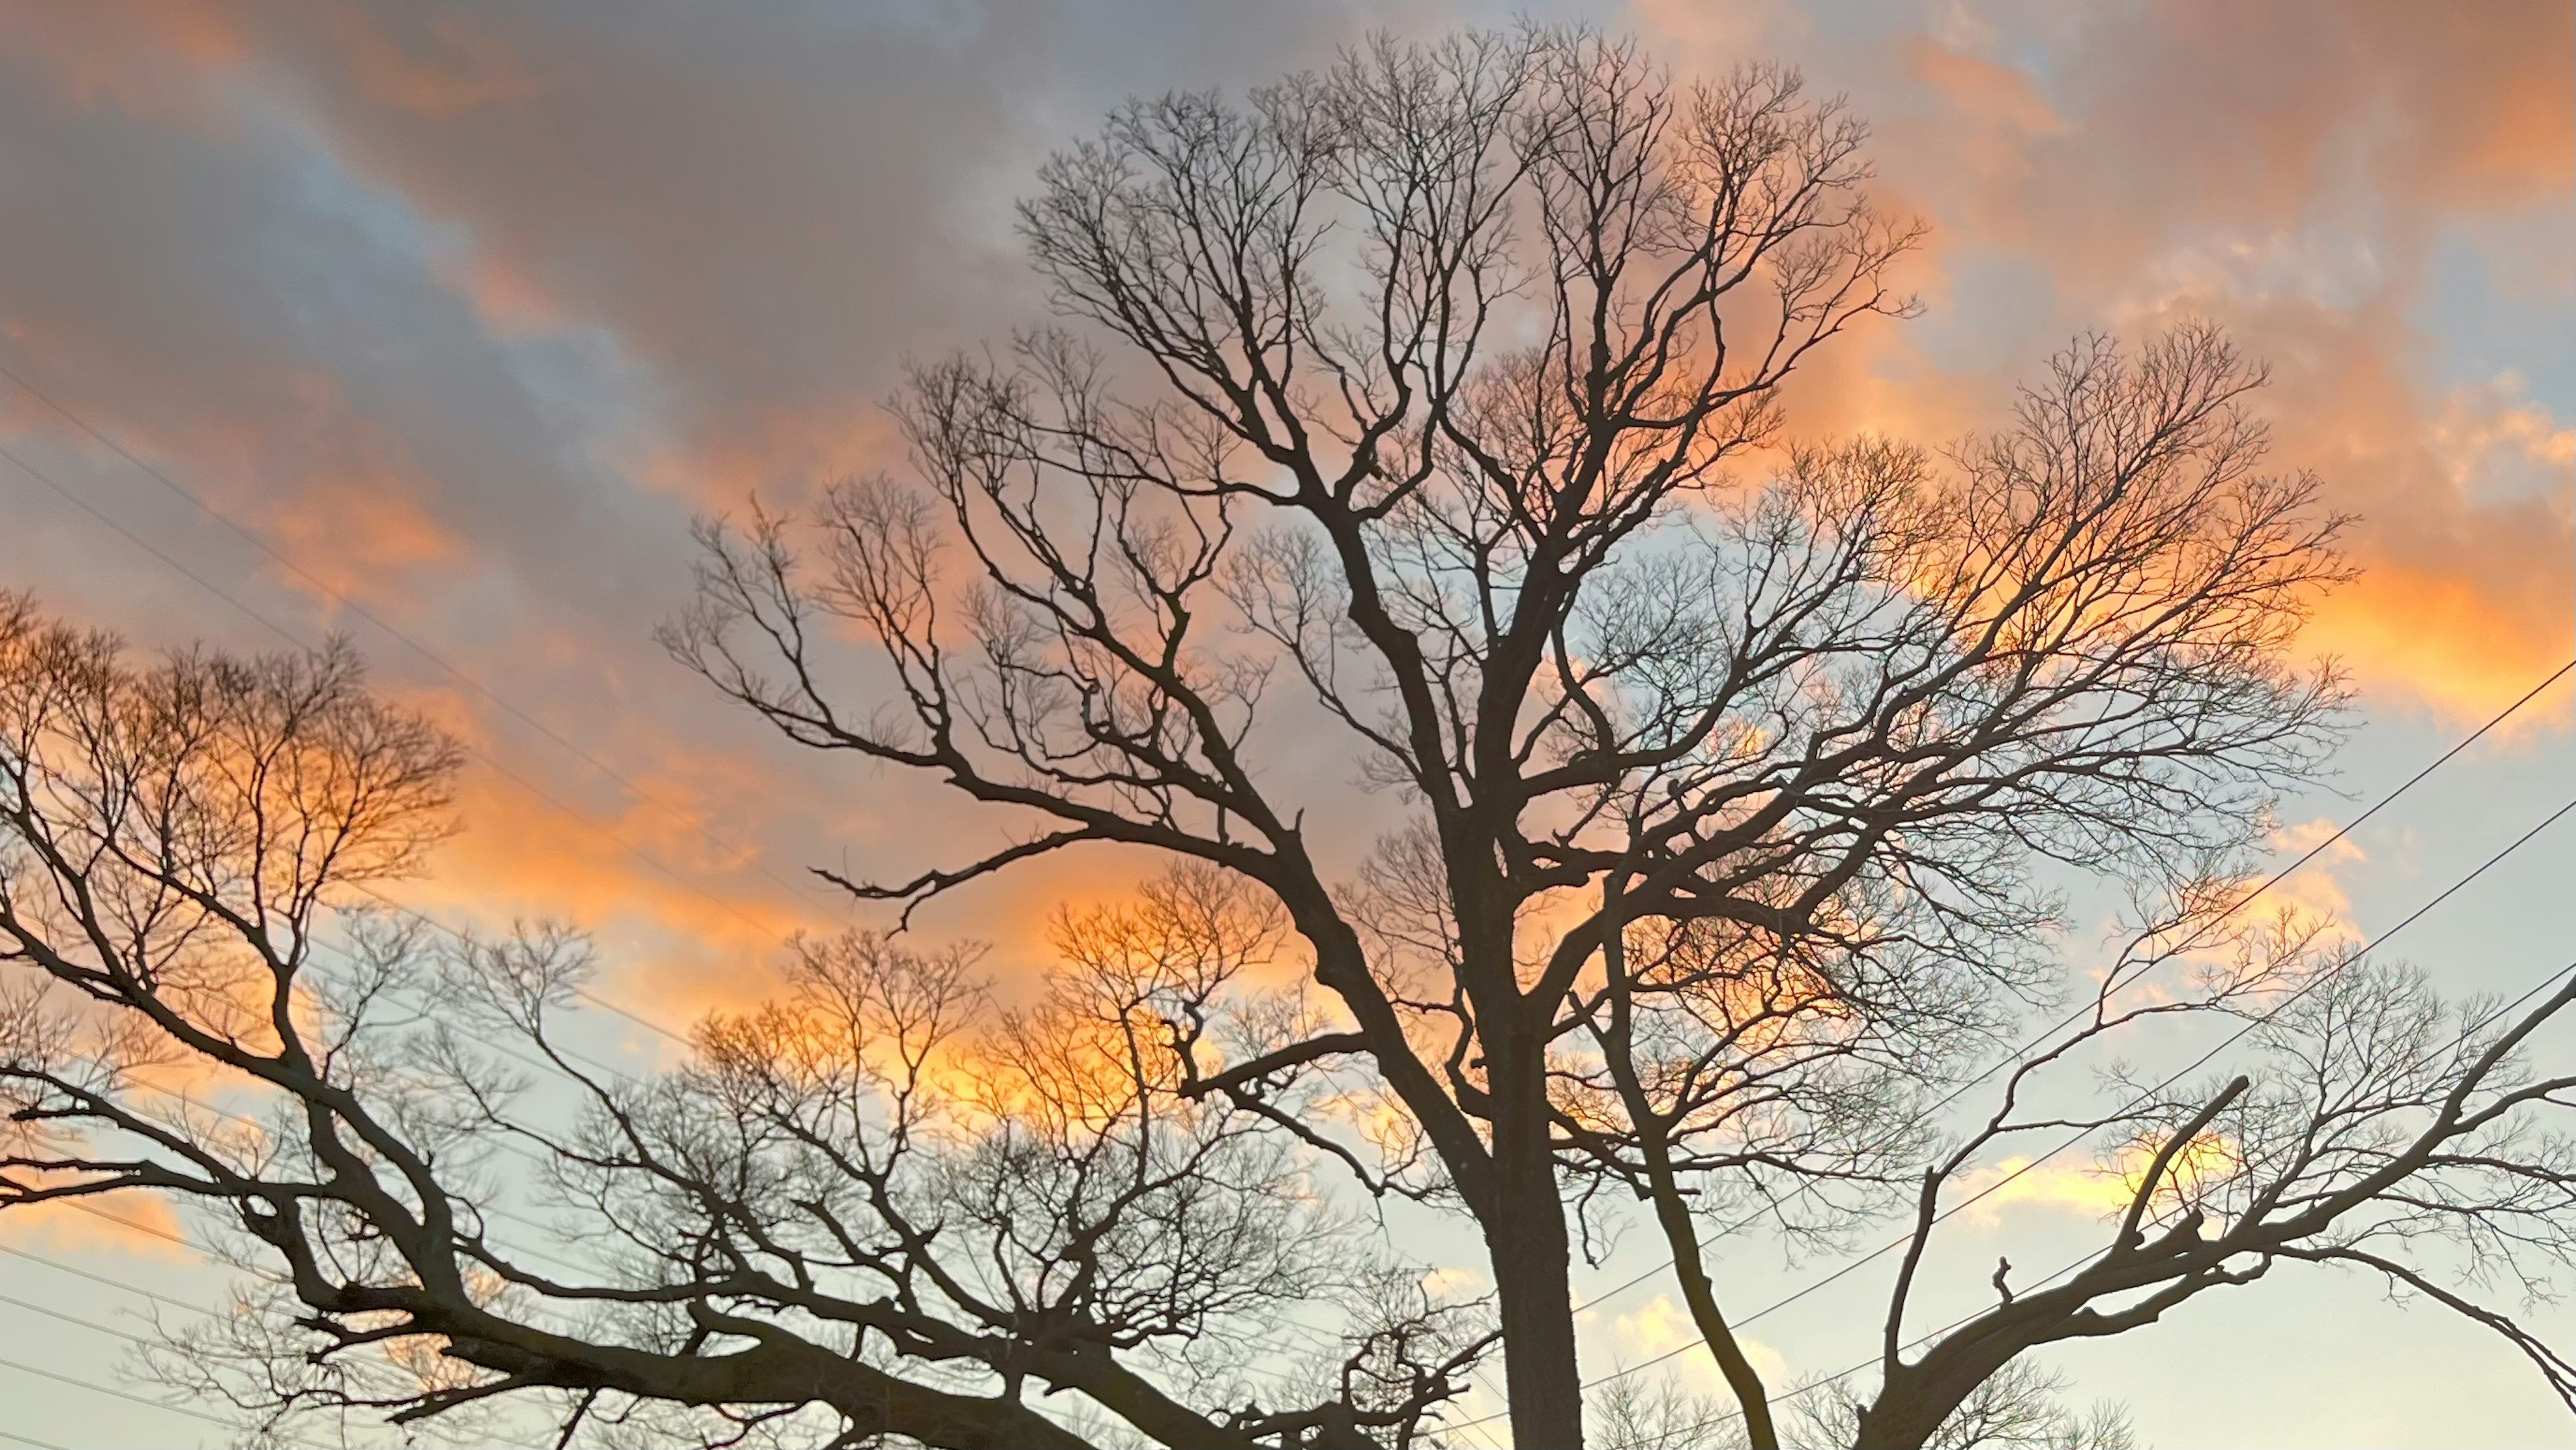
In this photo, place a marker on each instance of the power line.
(94, 1211)
(2200, 932)
(747, 855)
(175, 565)
(34, 1308)
(110, 1390)
(2320, 979)
(107, 1281)
(491, 1210)
(584, 993)
(1276, 1377)
(77, 1272)
(112, 1283)
(503, 1144)
(139, 1341)
(2276, 878)
(743, 855)
(17, 1439)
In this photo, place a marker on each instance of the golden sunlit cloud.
(2095, 1190)
(1659, 1326)
(2312, 895)
(2443, 640)
(132, 1223)
(2135, 181)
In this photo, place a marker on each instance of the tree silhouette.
(1416, 385)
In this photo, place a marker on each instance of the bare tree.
(1422, 383)
(883, 1208)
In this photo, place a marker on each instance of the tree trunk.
(1898, 1424)
(1525, 1233)
(1672, 1212)
(1750, 1393)
(1914, 1402)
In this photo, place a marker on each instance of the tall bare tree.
(1421, 382)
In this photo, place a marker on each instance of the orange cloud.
(2094, 1190)
(2285, 169)
(689, 925)
(128, 1222)
(349, 533)
(271, 445)
(142, 57)
(2442, 639)
(448, 66)
(2467, 529)
(1660, 1326)
(760, 271)
(783, 450)
(1982, 89)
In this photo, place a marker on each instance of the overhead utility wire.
(110, 1390)
(586, 994)
(2193, 1066)
(746, 855)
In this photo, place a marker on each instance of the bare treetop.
(1417, 383)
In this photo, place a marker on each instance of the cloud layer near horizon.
(465, 309)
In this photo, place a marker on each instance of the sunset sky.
(454, 316)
